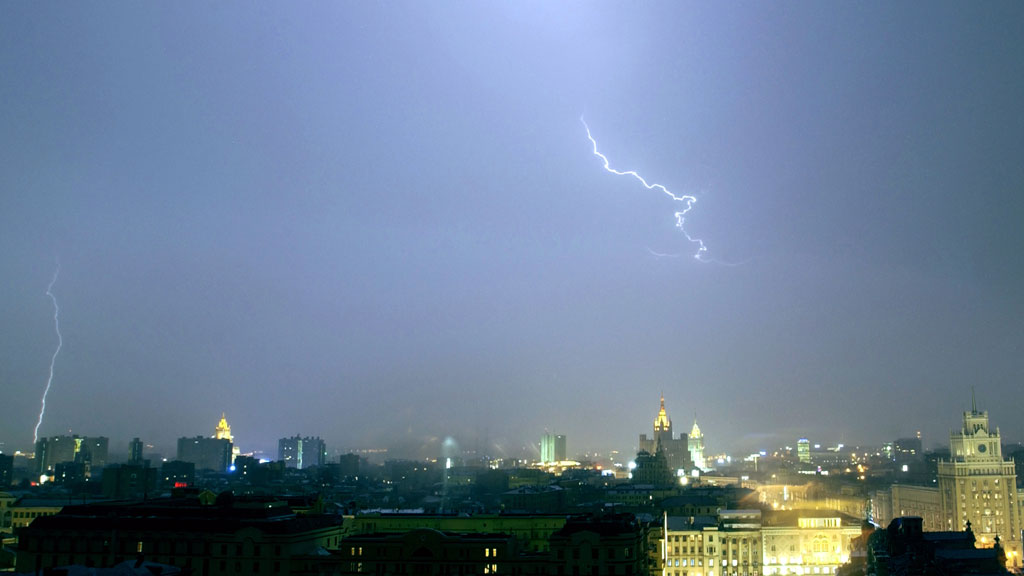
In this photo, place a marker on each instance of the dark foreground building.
(904, 548)
(226, 536)
(610, 544)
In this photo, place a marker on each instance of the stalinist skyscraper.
(978, 487)
(223, 432)
(676, 450)
(696, 446)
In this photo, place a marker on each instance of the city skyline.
(529, 448)
(385, 225)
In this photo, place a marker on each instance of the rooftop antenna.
(974, 406)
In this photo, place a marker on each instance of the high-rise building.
(348, 465)
(206, 453)
(90, 450)
(298, 452)
(696, 445)
(907, 449)
(123, 481)
(979, 488)
(223, 432)
(803, 450)
(6, 472)
(676, 450)
(135, 451)
(552, 448)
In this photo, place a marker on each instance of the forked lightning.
(688, 200)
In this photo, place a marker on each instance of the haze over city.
(384, 224)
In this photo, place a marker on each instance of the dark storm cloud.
(383, 222)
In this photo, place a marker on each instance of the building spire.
(974, 405)
(662, 422)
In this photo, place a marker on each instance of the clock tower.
(977, 486)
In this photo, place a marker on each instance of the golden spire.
(662, 423)
(223, 430)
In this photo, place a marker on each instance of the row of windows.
(31, 514)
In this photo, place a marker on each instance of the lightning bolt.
(53, 360)
(686, 199)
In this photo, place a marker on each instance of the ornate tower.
(675, 449)
(662, 425)
(223, 430)
(696, 445)
(977, 486)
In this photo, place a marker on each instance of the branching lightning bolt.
(53, 360)
(688, 200)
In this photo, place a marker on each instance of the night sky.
(382, 222)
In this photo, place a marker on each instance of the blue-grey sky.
(382, 222)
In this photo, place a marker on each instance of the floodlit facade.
(814, 545)
(742, 543)
(298, 452)
(696, 445)
(59, 449)
(978, 487)
(223, 429)
(803, 450)
(552, 448)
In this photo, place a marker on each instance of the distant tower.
(662, 424)
(552, 448)
(135, 451)
(696, 445)
(676, 450)
(803, 450)
(223, 430)
(301, 453)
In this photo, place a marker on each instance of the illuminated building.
(552, 448)
(977, 486)
(223, 430)
(695, 443)
(906, 449)
(26, 509)
(807, 541)
(6, 502)
(907, 500)
(298, 452)
(675, 450)
(58, 449)
(803, 450)
(743, 543)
